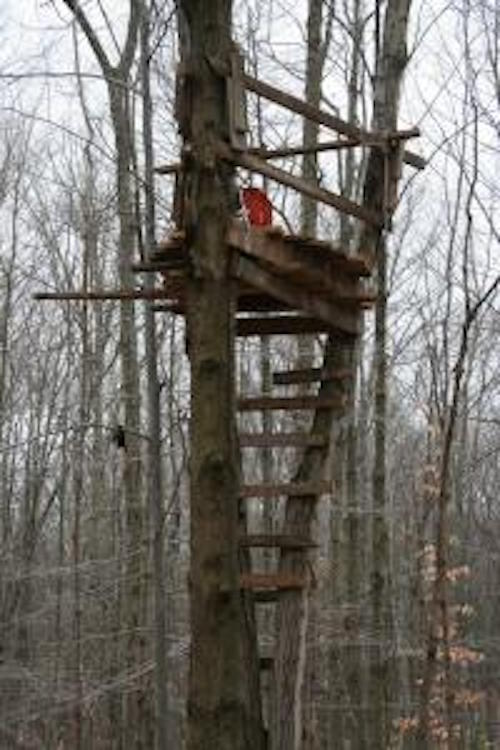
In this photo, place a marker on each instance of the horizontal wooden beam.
(255, 302)
(280, 325)
(310, 375)
(307, 490)
(254, 164)
(279, 541)
(281, 439)
(327, 119)
(278, 581)
(102, 295)
(336, 145)
(265, 597)
(159, 266)
(289, 403)
(174, 168)
(297, 297)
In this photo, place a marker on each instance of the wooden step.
(288, 403)
(291, 489)
(265, 597)
(279, 541)
(272, 581)
(280, 325)
(310, 375)
(281, 439)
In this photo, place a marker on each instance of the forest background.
(84, 539)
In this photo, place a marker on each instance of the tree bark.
(223, 707)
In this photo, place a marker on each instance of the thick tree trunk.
(223, 712)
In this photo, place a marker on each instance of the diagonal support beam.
(254, 164)
(297, 297)
(326, 118)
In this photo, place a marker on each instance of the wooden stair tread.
(279, 541)
(269, 439)
(273, 581)
(257, 403)
(280, 325)
(292, 489)
(310, 375)
(265, 597)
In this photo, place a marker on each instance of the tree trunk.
(299, 515)
(390, 66)
(223, 707)
(155, 485)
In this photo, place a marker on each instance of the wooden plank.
(168, 168)
(278, 541)
(288, 403)
(325, 118)
(313, 269)
(309, 490)
(335, 145)
(297, 297)
(102, 295)
(276, 581)
(282, 325)
(265, 597)
(159, 266)
(281, 439)
(255, 302)
(254, 164)
(310, 375)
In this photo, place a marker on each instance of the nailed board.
(280, 541)
(307, 490)
(281, 325)
(310, 375)
(288, 403)
(277, 581)
(281, 439)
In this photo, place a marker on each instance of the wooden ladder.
(269, 585)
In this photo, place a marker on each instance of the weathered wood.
(168, 168)
(288, 403)
(297, 297)
(276, 581)
(309, 375)
(160, 266)
(336, 145)
(281, 325)
(254, 164)
(326, 118)
(265, 597)
(102, 295)
(309, 490)
(307, 267)
(279, 541)
(281, 439)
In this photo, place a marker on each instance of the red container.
(257, 206)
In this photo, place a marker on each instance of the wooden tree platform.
(313, 285)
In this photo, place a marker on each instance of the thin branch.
(92, 38)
